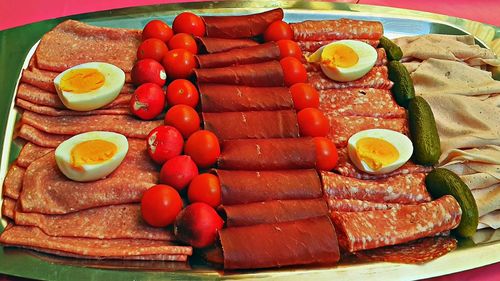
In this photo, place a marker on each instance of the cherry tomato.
(183, 41)
(326, 154)
(148, 70)
(160, 205)
(293, 71)
(304, 95)
(164, 143)
(205, 188)
(182, 91)
(204, 147)
(197, 225)
(184, 118)
(148, 101)
(278, 30)
(312, 123)
(178, 172)
(189, 23)
(179, 63)
(152, 48)
(157, 29)
(289, 48)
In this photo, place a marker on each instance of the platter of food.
(224, 140)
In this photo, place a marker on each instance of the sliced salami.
(217, 45)
(50, 111)
(354, 205)
(8, 207)
(29, 153)
(32, 134)
(13, 182)
(42, 79)
(317, 30)
(247, 55)
(312, 46)
(377, 77)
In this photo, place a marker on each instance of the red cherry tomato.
(148, 101)
(312, 123)
(179, 63)
(184, 118)
(189, 23)
(289, 48)
(278, 30)
(157, 29)
(148, 70)
(164, 143)
(205, 188)
(183, 41)
(293, 70)
(152, 48)
(304, 95)
(204, 147)
(182, 91)
(178, 172)
(197, 225)
(326, 154)
(160, 205)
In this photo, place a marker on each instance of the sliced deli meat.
(8, 207)
(50, 111)
(13, 182)
(355, 205)
(247, 55)
(41, 138)
(29, 153)
(377, 77)
(216, 45)
(316, 30)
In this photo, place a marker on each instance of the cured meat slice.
(373, 229)
(252, 124)
(109, 222)
(50, 111)
(240, 26)
(39, 78)
(312, 46)
(268, 154)
(89, 43)
(29, 153)
(247, 55)
(217, 45)
(13, 182)
(308, 241)
(354, 205)
(381, 61)
(360, 102)
(71, 125)
(46, 190)
(32, 134)
(33, 238)
(343, 127)
(402, 189)
(415, 252)
(377, 77)
(241, 187)
(8, 207)
(318, 30)
(228, 98)
(273, 211)
(265, 74)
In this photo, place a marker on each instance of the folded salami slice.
(252, 124)
(50, 111)
(312, 46)
(401, 189)
(308, 241)
(316, 67)
(241, 187)
(354, 205)
(13, 182)
(265, 74)
(240, 26)
(377, 77)
(33, 238)
(368, 102)
(273, 211)
(43, 79)
(248, 55)
(8, 207)
(46, 190)
(228, 98)
(32, 134)
(29, 153)
(217, 45)
(268, 154)
(318, 30)
(373, 229)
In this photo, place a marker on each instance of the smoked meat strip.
(248, 55)
(217, 45)
(319, 30)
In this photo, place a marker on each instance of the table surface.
(29, 11)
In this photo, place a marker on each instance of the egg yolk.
(92, 152)
(82, 80)
(376, 153)
(339, 55)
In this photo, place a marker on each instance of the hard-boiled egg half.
(89, 86)
(345, 60)
(91, 156)
(379, 151)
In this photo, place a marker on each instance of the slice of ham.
(318, 30)
(273, 212)
(46, 190)
(377, 77)
(245, 26)
(308, 241)
(8, 207)
(373, 229)
(29, 153)
(312, 46)
(316, 67)
(217, 45)
(40, 138)
(247, 55)
(354, 205)
(241, 187)
(252, 124)
(224, 98)
(268, 154)
(13, 182)
(50, 111)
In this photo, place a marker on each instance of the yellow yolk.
(339, 55)
(376, 153)
(92, 152)
(82, 80)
